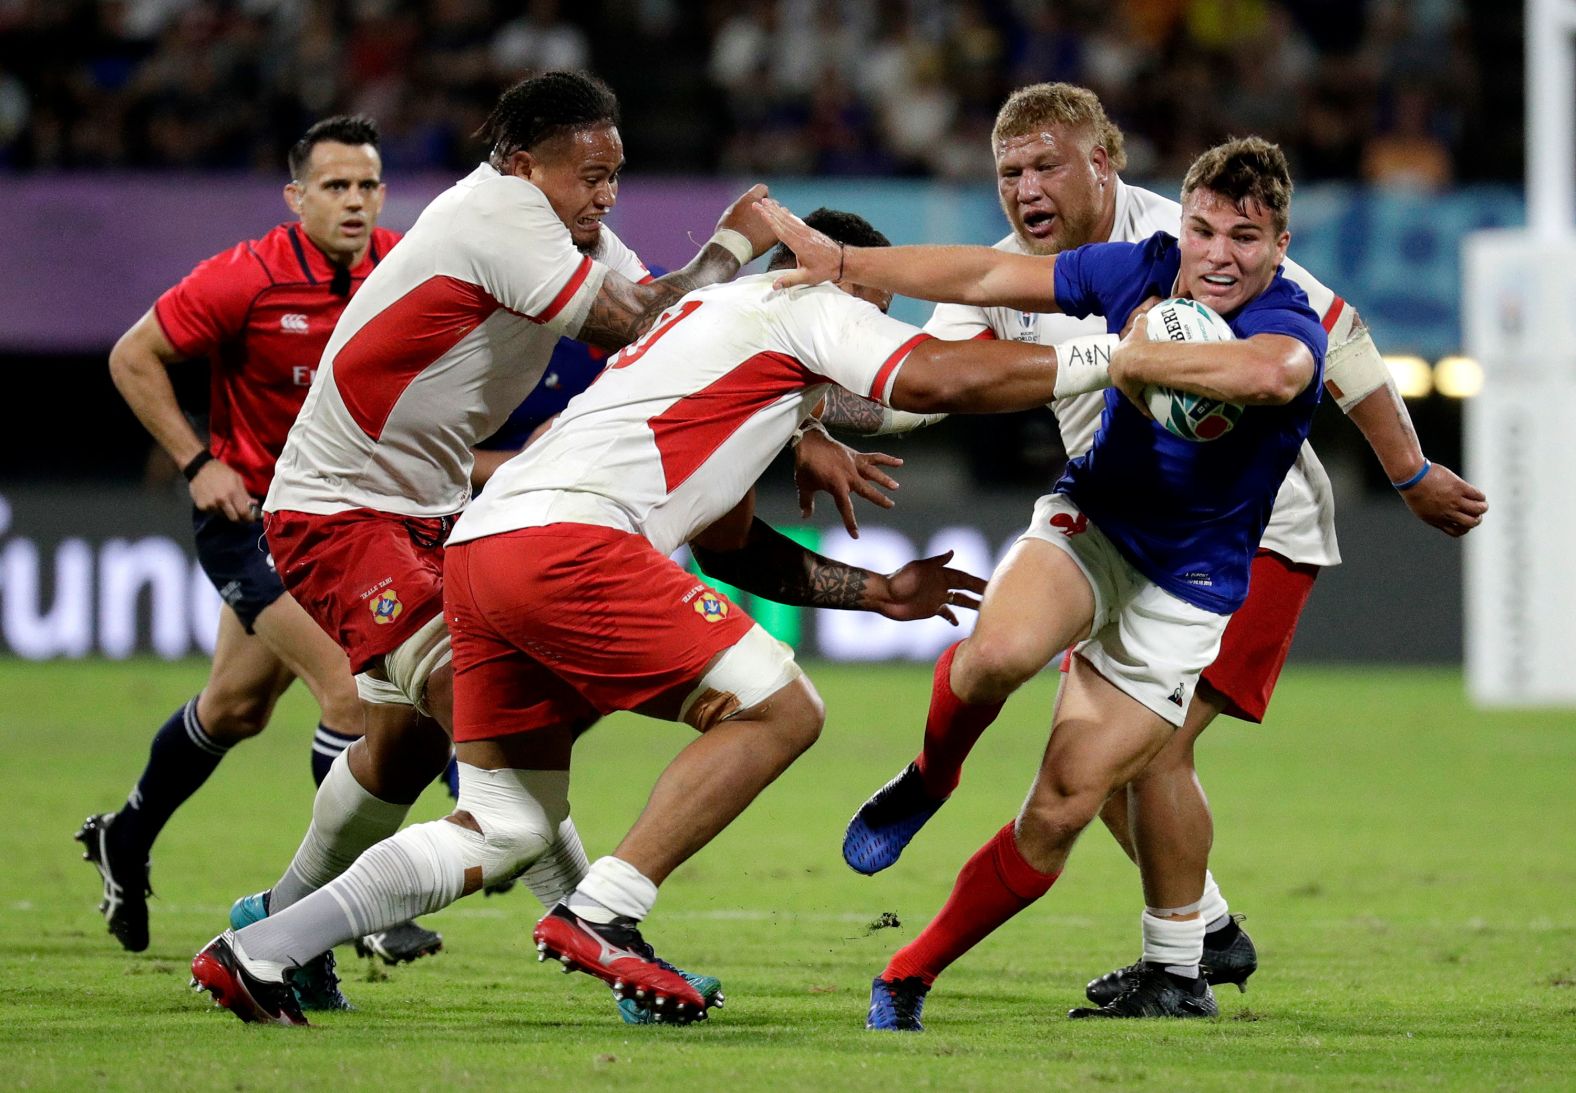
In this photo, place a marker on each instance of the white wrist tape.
(1084, 364)
(809, 424)
(904, 421)
(1354, 370)
(735, 244)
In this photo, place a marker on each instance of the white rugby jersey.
(681, 423)
(446, 337)
(1302, 526)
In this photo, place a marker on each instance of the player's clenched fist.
(217, 488)
(741, 217)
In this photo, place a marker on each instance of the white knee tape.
(519, 812)
(418, 656)
(379, 692)
(757, 667)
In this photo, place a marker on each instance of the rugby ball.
(1189, 416)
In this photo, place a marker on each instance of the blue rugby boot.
(886, 823)
(895, 1004)
(249, 909)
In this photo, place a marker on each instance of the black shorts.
(236, 559)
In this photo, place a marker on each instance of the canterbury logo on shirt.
(294, 324)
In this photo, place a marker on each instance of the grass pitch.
(1406, 863)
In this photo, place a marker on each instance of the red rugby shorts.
(559, 624)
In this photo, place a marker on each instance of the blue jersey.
(1187, 515)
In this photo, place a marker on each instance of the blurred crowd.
(1394, 92)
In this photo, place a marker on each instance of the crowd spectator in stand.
(1376, 89)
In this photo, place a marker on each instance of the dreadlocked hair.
(536, 110)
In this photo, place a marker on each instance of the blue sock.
(451, 777)
(180, 760)
(326, 746)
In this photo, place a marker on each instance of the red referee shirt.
(261, 312)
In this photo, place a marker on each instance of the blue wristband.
(1415, 479)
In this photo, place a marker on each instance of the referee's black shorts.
(236, 559)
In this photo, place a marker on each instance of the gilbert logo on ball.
(386, 608)
(711, 607)
(1189, 416)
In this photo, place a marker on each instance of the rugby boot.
(249, 909)
(895, 1004)
(1229, 957)
(315, 983)
(886, 823)
(1150, 991)
(126, 889)
(638, 1013)
(616, 954)
(400, 944)
(219, 971)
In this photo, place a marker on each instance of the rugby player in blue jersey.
(1143, 551)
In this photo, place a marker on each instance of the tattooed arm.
(623, 310)
(847, 412)
(772, 565)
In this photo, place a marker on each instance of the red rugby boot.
(616, 954)
(217, 970)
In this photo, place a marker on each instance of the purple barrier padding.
(85, 255)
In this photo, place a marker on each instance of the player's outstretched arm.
(770, 564)
(623, 310)
(987, 377)
(948, 274)
(138, 366)
(1359, 381)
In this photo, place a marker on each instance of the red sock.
(951, 729)
(994, 885)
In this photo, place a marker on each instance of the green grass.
(1406, 863)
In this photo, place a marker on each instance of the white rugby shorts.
(1151, 645)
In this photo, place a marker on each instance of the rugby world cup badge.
(386, 607)
(710, 606)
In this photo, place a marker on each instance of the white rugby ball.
(1189, 416)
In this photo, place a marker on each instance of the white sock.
(1212, 908)
(418, 871)
(560, 869)
(346, 819)
(612, 888)
(269, 971)
(1176, 944)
